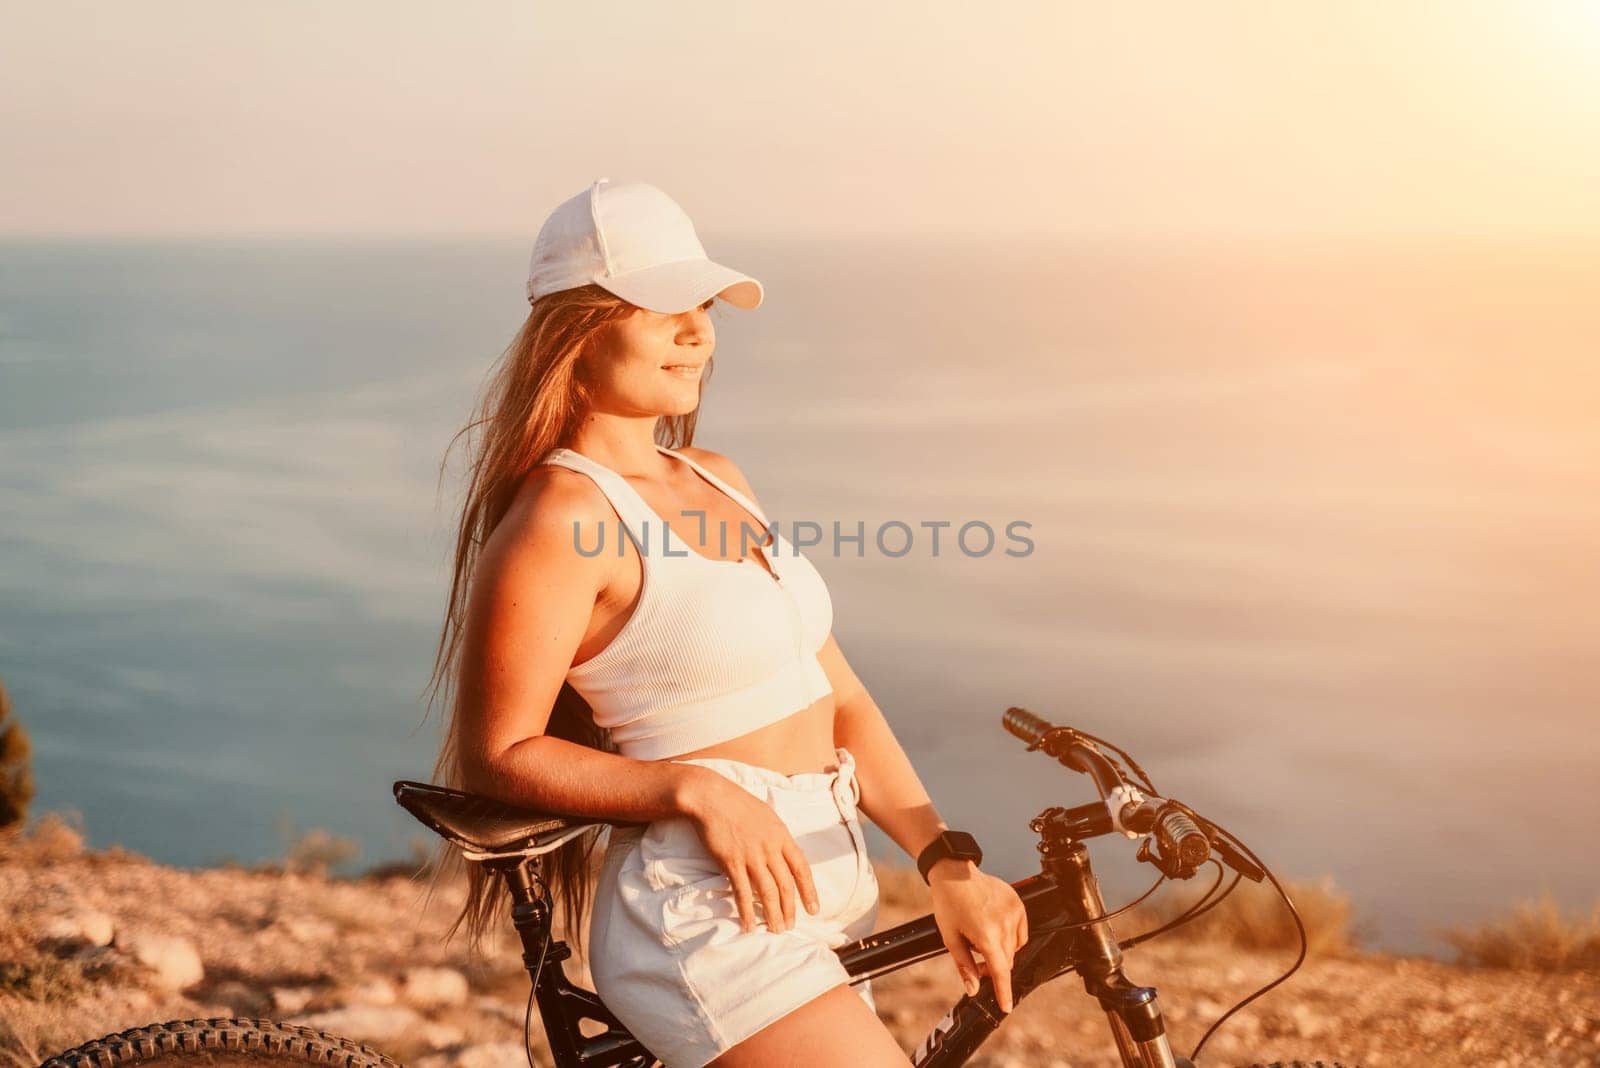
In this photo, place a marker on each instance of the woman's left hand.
(976, 911)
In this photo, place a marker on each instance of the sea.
(1308, 525)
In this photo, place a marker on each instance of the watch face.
(957, 844)
(963, 846)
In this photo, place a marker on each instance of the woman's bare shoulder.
(551, 504)
(721, 466)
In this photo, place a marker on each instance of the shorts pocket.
(672, 855)
(688, 908)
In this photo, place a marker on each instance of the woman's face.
(651, 363)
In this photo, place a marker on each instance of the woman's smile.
(683, 370)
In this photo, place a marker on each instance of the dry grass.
(19, 1028)
(313, 852)
(419, 866)
(1253, 916)
(1535, 935)
(42, 978)
(41, 982)
(49, 838)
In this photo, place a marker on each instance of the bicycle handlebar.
(1182, 839)
(1069, 747)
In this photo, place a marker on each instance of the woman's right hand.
(754, 847)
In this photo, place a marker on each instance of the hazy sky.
(359, 116)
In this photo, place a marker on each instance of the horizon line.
(712, 237)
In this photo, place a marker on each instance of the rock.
(87, 927)
(1306, 1021)
(487, 1055)
(441, 1035)
(98, 928)
(374, 991)
(292, 998)
(60, 929)
(174, 960)
(432, 988)
(365, 1023)
(305, 928)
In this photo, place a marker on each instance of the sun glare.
(1575, 22)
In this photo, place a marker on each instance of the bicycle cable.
(1300, 927)
(527, 1016)
(1192, 911)
(1118, 912)
(1144, 777)
(1101, 919)
(1195, 909)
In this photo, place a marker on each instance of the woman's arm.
(974, 910)
(531, 601)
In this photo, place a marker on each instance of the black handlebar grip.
(1066, 745)
(1025, 725)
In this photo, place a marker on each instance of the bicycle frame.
(1067, 932)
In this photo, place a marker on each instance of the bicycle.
(1069, 931)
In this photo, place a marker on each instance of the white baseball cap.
(633, 240)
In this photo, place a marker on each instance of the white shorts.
(666, 949)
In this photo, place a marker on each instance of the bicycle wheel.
(221, 1042)
(1304, 1064)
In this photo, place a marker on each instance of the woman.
(637, 643)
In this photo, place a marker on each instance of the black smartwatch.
(957, 844)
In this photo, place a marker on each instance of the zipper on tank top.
(766, 566)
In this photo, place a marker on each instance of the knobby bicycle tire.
(220, 1042)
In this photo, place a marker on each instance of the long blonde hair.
(533, 402)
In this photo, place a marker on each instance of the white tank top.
(713, 648)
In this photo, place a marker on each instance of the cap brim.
(671, 288)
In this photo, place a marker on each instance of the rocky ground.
(93, 942)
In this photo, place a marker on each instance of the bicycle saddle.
(486, 828)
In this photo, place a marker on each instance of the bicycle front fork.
(1130, 1009)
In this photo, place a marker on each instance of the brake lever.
(1237, 860)
(1230, 855)
(1056, 741)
